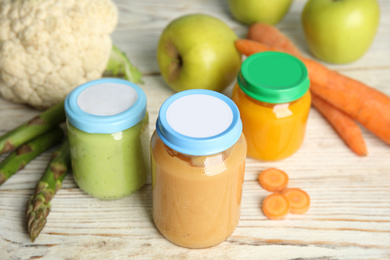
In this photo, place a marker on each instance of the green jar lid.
(273, 77)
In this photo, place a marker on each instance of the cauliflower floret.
(47, 48)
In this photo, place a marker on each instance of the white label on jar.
(199, 115)
(107, 99)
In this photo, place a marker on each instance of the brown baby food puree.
(196, 199)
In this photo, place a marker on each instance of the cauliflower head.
(48, 47)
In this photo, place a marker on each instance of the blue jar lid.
(105, 106)
(199, 122)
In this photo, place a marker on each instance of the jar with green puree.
(108, 132)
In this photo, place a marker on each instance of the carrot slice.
(299, 200)
(273, 179)
(276, 206)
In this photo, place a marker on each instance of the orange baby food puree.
(274, 102)
(273, 131)
(198, 156)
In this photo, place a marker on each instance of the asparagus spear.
(36, 126)
(38, 207)
(25, 153)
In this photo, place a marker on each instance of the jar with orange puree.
(272, 94)
(198, 165)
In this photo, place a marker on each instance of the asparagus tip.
(36, 219)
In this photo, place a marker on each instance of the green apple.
(265, 11)
(197, 51)
(340, 31)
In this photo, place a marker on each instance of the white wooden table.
(350, 213)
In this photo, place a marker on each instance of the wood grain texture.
(350, 213)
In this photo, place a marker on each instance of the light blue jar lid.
(199, 122)
(105, 106)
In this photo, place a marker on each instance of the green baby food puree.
(110, 166)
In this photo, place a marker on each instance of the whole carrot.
(271, 36)
(344, 125)
(249, 47)
(365, 104)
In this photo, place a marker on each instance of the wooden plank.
(350, 213)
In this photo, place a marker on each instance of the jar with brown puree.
(198, 165)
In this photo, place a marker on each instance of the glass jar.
(272, 94)
(107, 125)
(198, 165)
